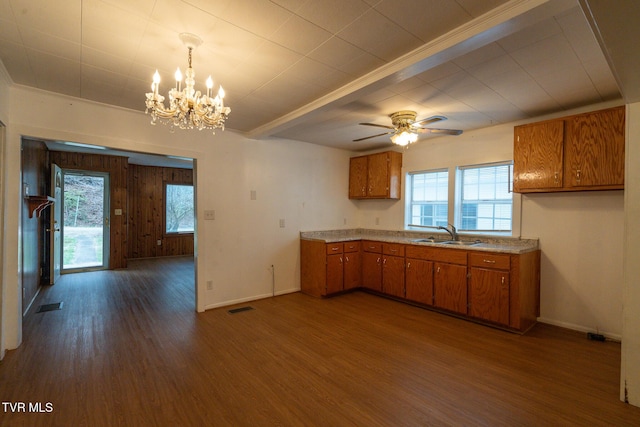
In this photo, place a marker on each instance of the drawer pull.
(335, 248)
(489, 261)
(393, 250)
(372, 247)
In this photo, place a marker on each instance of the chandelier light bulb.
(156, 78)
(221, 92)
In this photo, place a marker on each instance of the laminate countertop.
(502, 245)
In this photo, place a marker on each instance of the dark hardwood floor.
(128, 349)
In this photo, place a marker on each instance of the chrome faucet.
(453, 232)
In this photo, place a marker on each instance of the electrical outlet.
(209, 285)
(253, 195)
(282, 223)
(209, 215)
(377, 221)
(344, 221)
(159, 242)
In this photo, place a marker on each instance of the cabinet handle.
(578, 175)
(372, 247)
(393, 250)
(408, 264)
(555, 178)
(340, 260)
(346, 258)
(384, 261)
(335, 248)
(489, 261)
(378, 260)
(438, 270)
(503, 280)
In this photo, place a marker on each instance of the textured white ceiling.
(311, 70)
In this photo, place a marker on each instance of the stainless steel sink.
(461, 243)
(424, 240)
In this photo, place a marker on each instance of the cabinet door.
(419, 281)
(489, 295)
(594, 150)
(334, 273)
(352, 270)
(450, 287)
(393, 276)
(358, 177)
(378, 175)
(372, 271)
(537, 156)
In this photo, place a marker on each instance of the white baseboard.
(248, 299)
(579, 328)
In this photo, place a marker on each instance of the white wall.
(630, 372)
(304, 184)
(580, 234)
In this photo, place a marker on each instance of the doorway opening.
(85, 220)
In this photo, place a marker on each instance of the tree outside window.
(179, 212)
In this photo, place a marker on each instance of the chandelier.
(188, 108)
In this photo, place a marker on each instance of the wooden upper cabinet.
(594, 149)
(581, 152)
(376, 176)
(537, 155)
(358, 177)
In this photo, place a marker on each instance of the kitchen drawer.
(451, 256)
(352, 246)
(334, 248)
(370, 246)
(395, 249)
(488, 260)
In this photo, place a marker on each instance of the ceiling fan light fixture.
(188, 108)
(404, 138)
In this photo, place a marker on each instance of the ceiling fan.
(405, 128)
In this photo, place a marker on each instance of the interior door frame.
(55, 227)
(106, 245)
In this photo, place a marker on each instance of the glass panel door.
(85, 228)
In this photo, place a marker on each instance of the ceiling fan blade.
(429, 120)
(372, 136)
(380, 126)
(442, 131)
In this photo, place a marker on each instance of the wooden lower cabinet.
(372, 265)
(393, 276)
(352, 275)
(450, 287)
(419, 281)
(489, 287)
(329, 268)
(489, 295)
(502, 289)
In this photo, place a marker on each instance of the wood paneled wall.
(117, 168)
(35, 172)
(146, 212)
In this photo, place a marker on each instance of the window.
(485, 198)
(482, 200)
(179, 212)
(429, 198)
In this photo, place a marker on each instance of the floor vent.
(240, 309)
(49, 307)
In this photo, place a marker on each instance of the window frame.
(459, 194)
(410, 180)
(167, 233)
